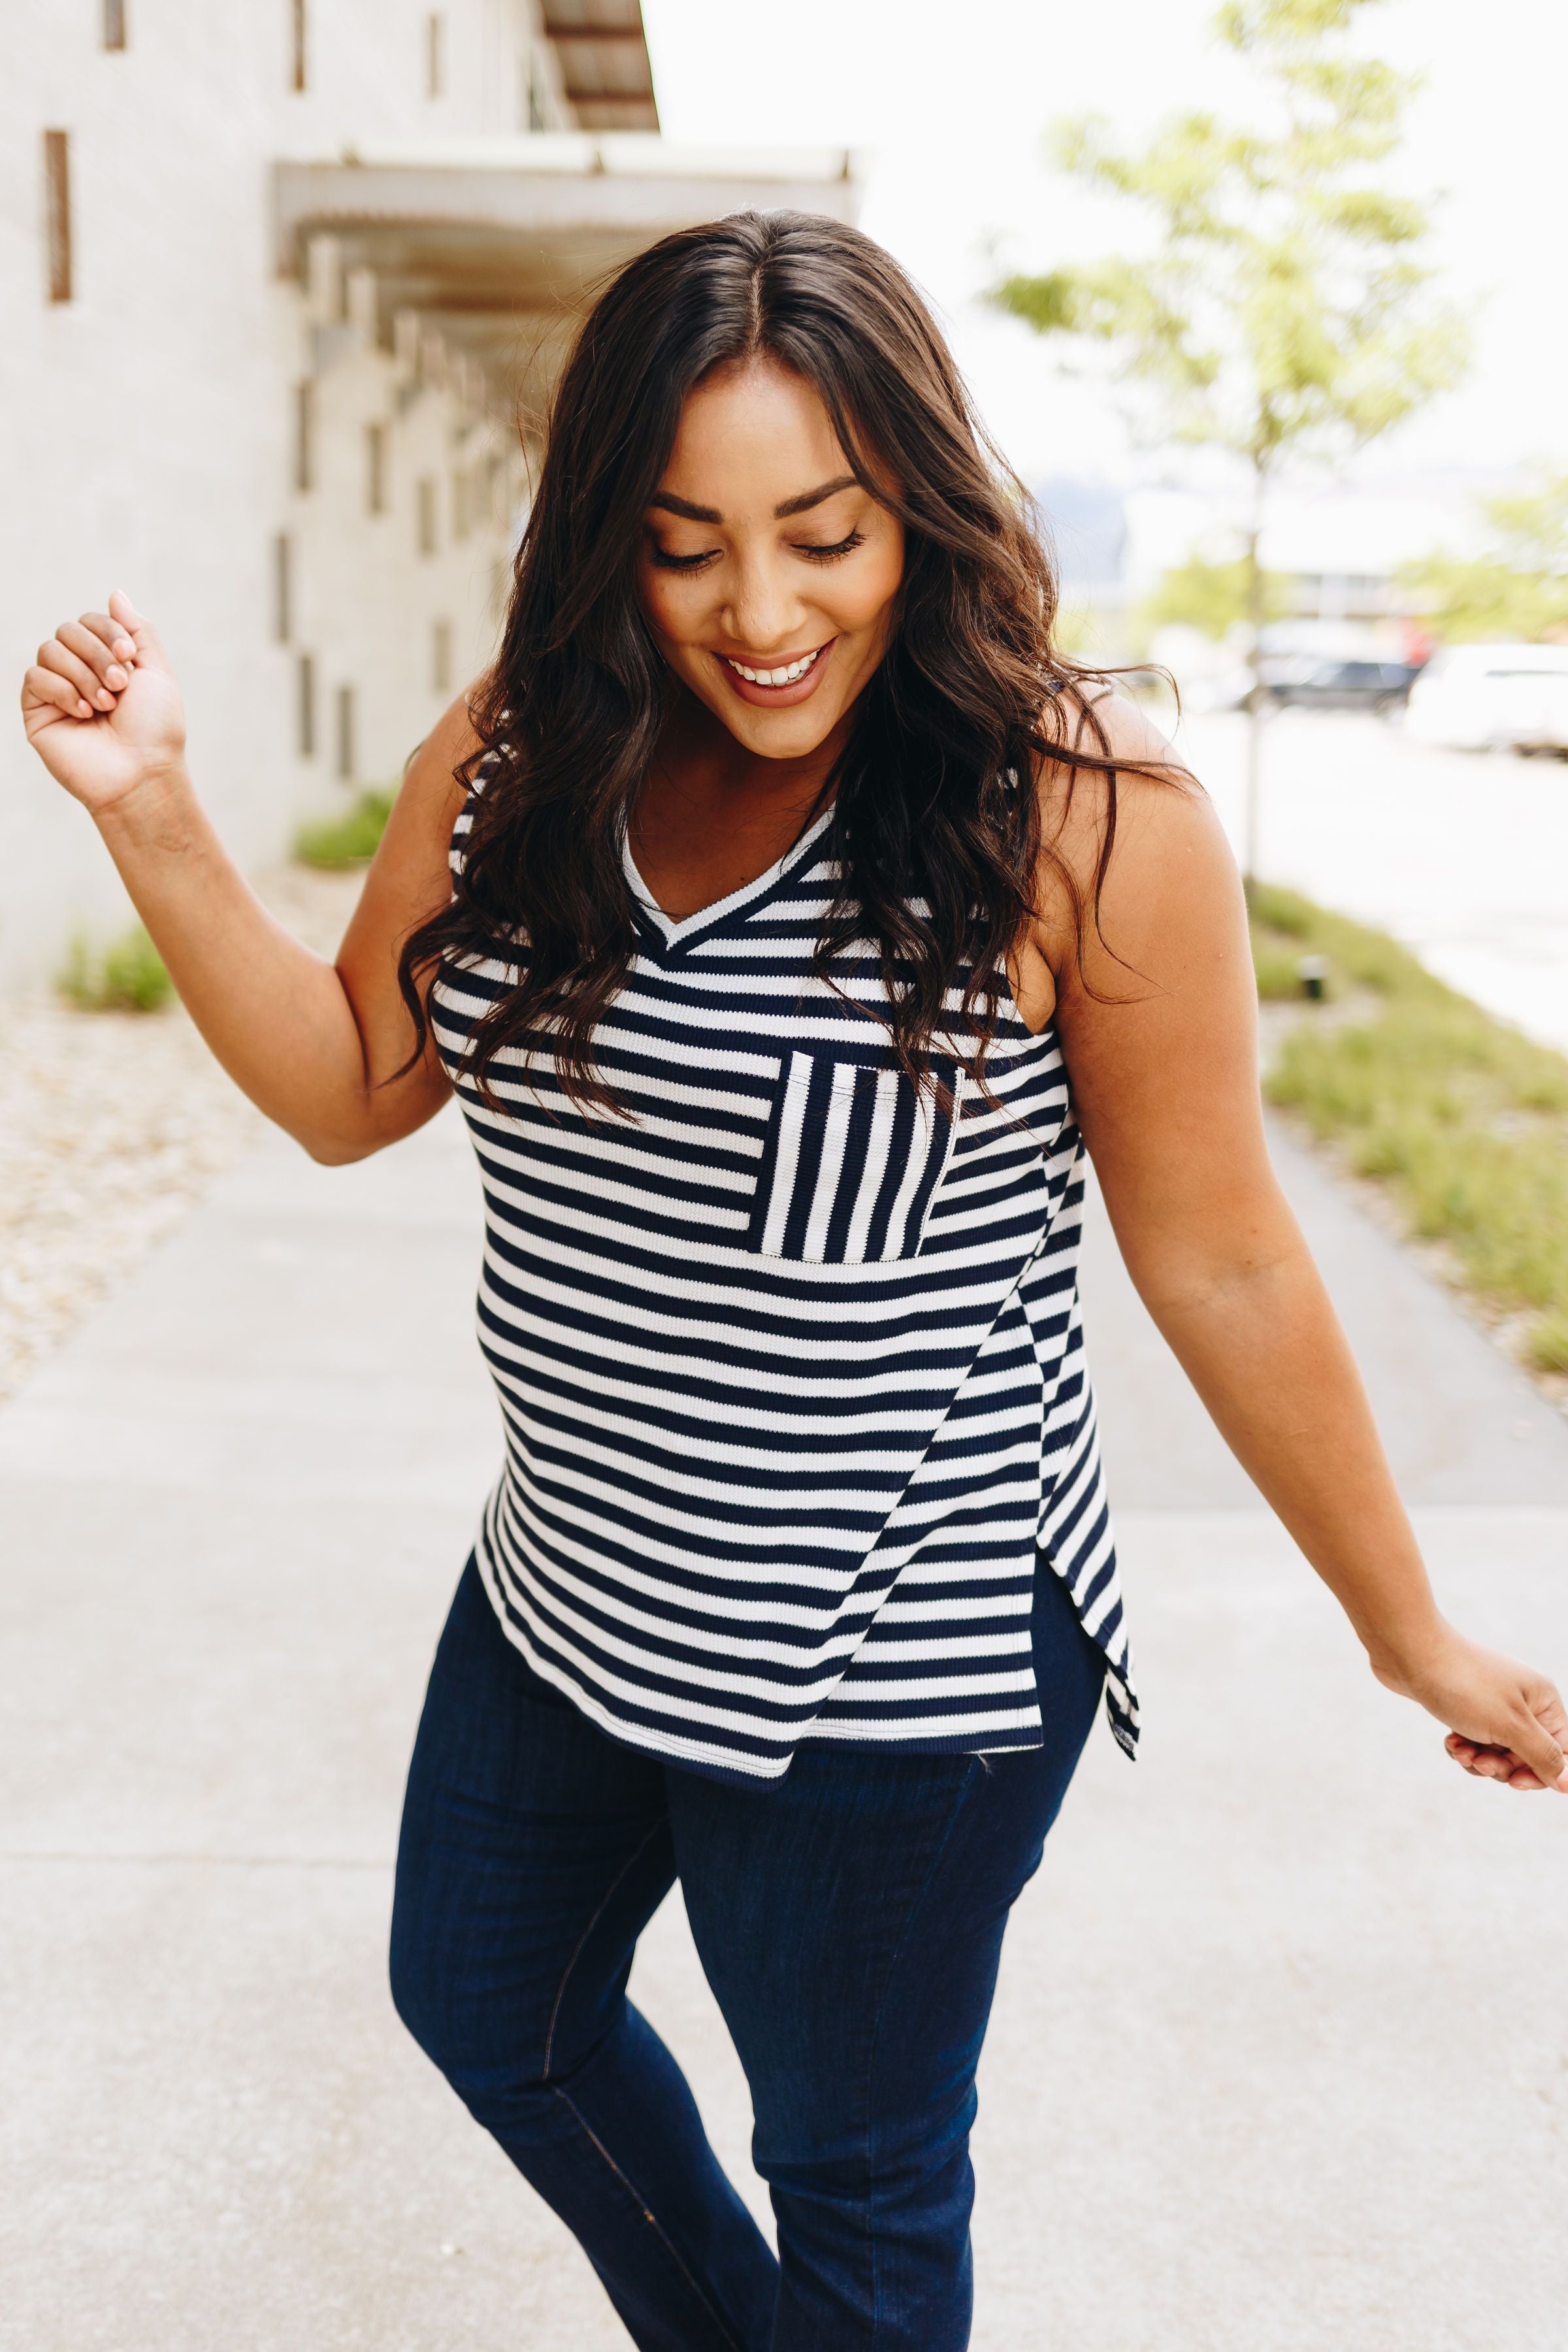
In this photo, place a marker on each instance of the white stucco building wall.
(146, 424)
(318, 249)
(390, 566)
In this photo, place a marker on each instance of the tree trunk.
(1255, 700)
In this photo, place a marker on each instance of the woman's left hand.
(1508, 1723)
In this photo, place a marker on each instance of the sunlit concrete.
(1277, 2057)
(1463, 854)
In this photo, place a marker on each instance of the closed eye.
(815, 554)
(665, 562)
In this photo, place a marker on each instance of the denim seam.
(648, 2215)
(630, 1862)
(910, 1917)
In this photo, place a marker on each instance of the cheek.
(674, 606)
(866, 600)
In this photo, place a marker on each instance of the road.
(1462, 856)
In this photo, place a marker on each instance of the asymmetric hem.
(790, 1359)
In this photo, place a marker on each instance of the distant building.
(280, 279)
(1337, 553)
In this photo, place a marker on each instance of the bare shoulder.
(1141, 846)
(1102, 719)
(409, 878)
(434, 788)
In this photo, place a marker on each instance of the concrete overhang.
(601, 51)
(498, 243)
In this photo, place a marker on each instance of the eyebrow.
(814, 498)
(807, 498)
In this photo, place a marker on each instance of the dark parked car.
(1340, 685)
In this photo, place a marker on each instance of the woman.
(792, 873)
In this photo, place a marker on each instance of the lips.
(788, 673)
(781, 681)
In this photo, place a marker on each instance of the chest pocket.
(852, 1159)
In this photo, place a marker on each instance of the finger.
(53, 656)
(80, 638)
(139, 628)
(1533, 1744)
(1545, 1704)
(47, 688)
(114, 635)
(1486, 1762)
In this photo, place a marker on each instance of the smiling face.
(768, 575)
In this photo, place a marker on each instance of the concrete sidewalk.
(1279, 2058)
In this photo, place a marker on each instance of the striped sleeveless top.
(790, 1360)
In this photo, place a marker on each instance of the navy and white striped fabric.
(852, 1158)
(789, 1358)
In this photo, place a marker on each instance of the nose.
(764, 610)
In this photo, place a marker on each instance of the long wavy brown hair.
(936, 826)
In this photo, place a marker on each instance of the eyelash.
(664, 562)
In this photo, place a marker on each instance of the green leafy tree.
(1284, 309)
(1215, 598)
(1519, 588)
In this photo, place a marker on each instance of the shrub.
(125, 976)
(351, 839)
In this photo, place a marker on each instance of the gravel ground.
(112, 1124)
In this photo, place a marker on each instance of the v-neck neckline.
(680, 932)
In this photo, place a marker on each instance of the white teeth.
(785, 676)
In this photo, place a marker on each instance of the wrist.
(157, 811)
(1402, 1655)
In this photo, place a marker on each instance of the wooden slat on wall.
(57, 213)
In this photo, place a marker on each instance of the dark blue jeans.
(849, 1919)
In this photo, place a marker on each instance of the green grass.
(1549, 1343)
(351, 839)
(125, 976)
(1462, 1119)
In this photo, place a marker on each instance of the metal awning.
(498, 243)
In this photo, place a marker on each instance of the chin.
(775, 739)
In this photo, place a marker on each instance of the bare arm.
(312, 1044)
(1163, 1059)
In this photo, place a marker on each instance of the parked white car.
(1498, 698)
